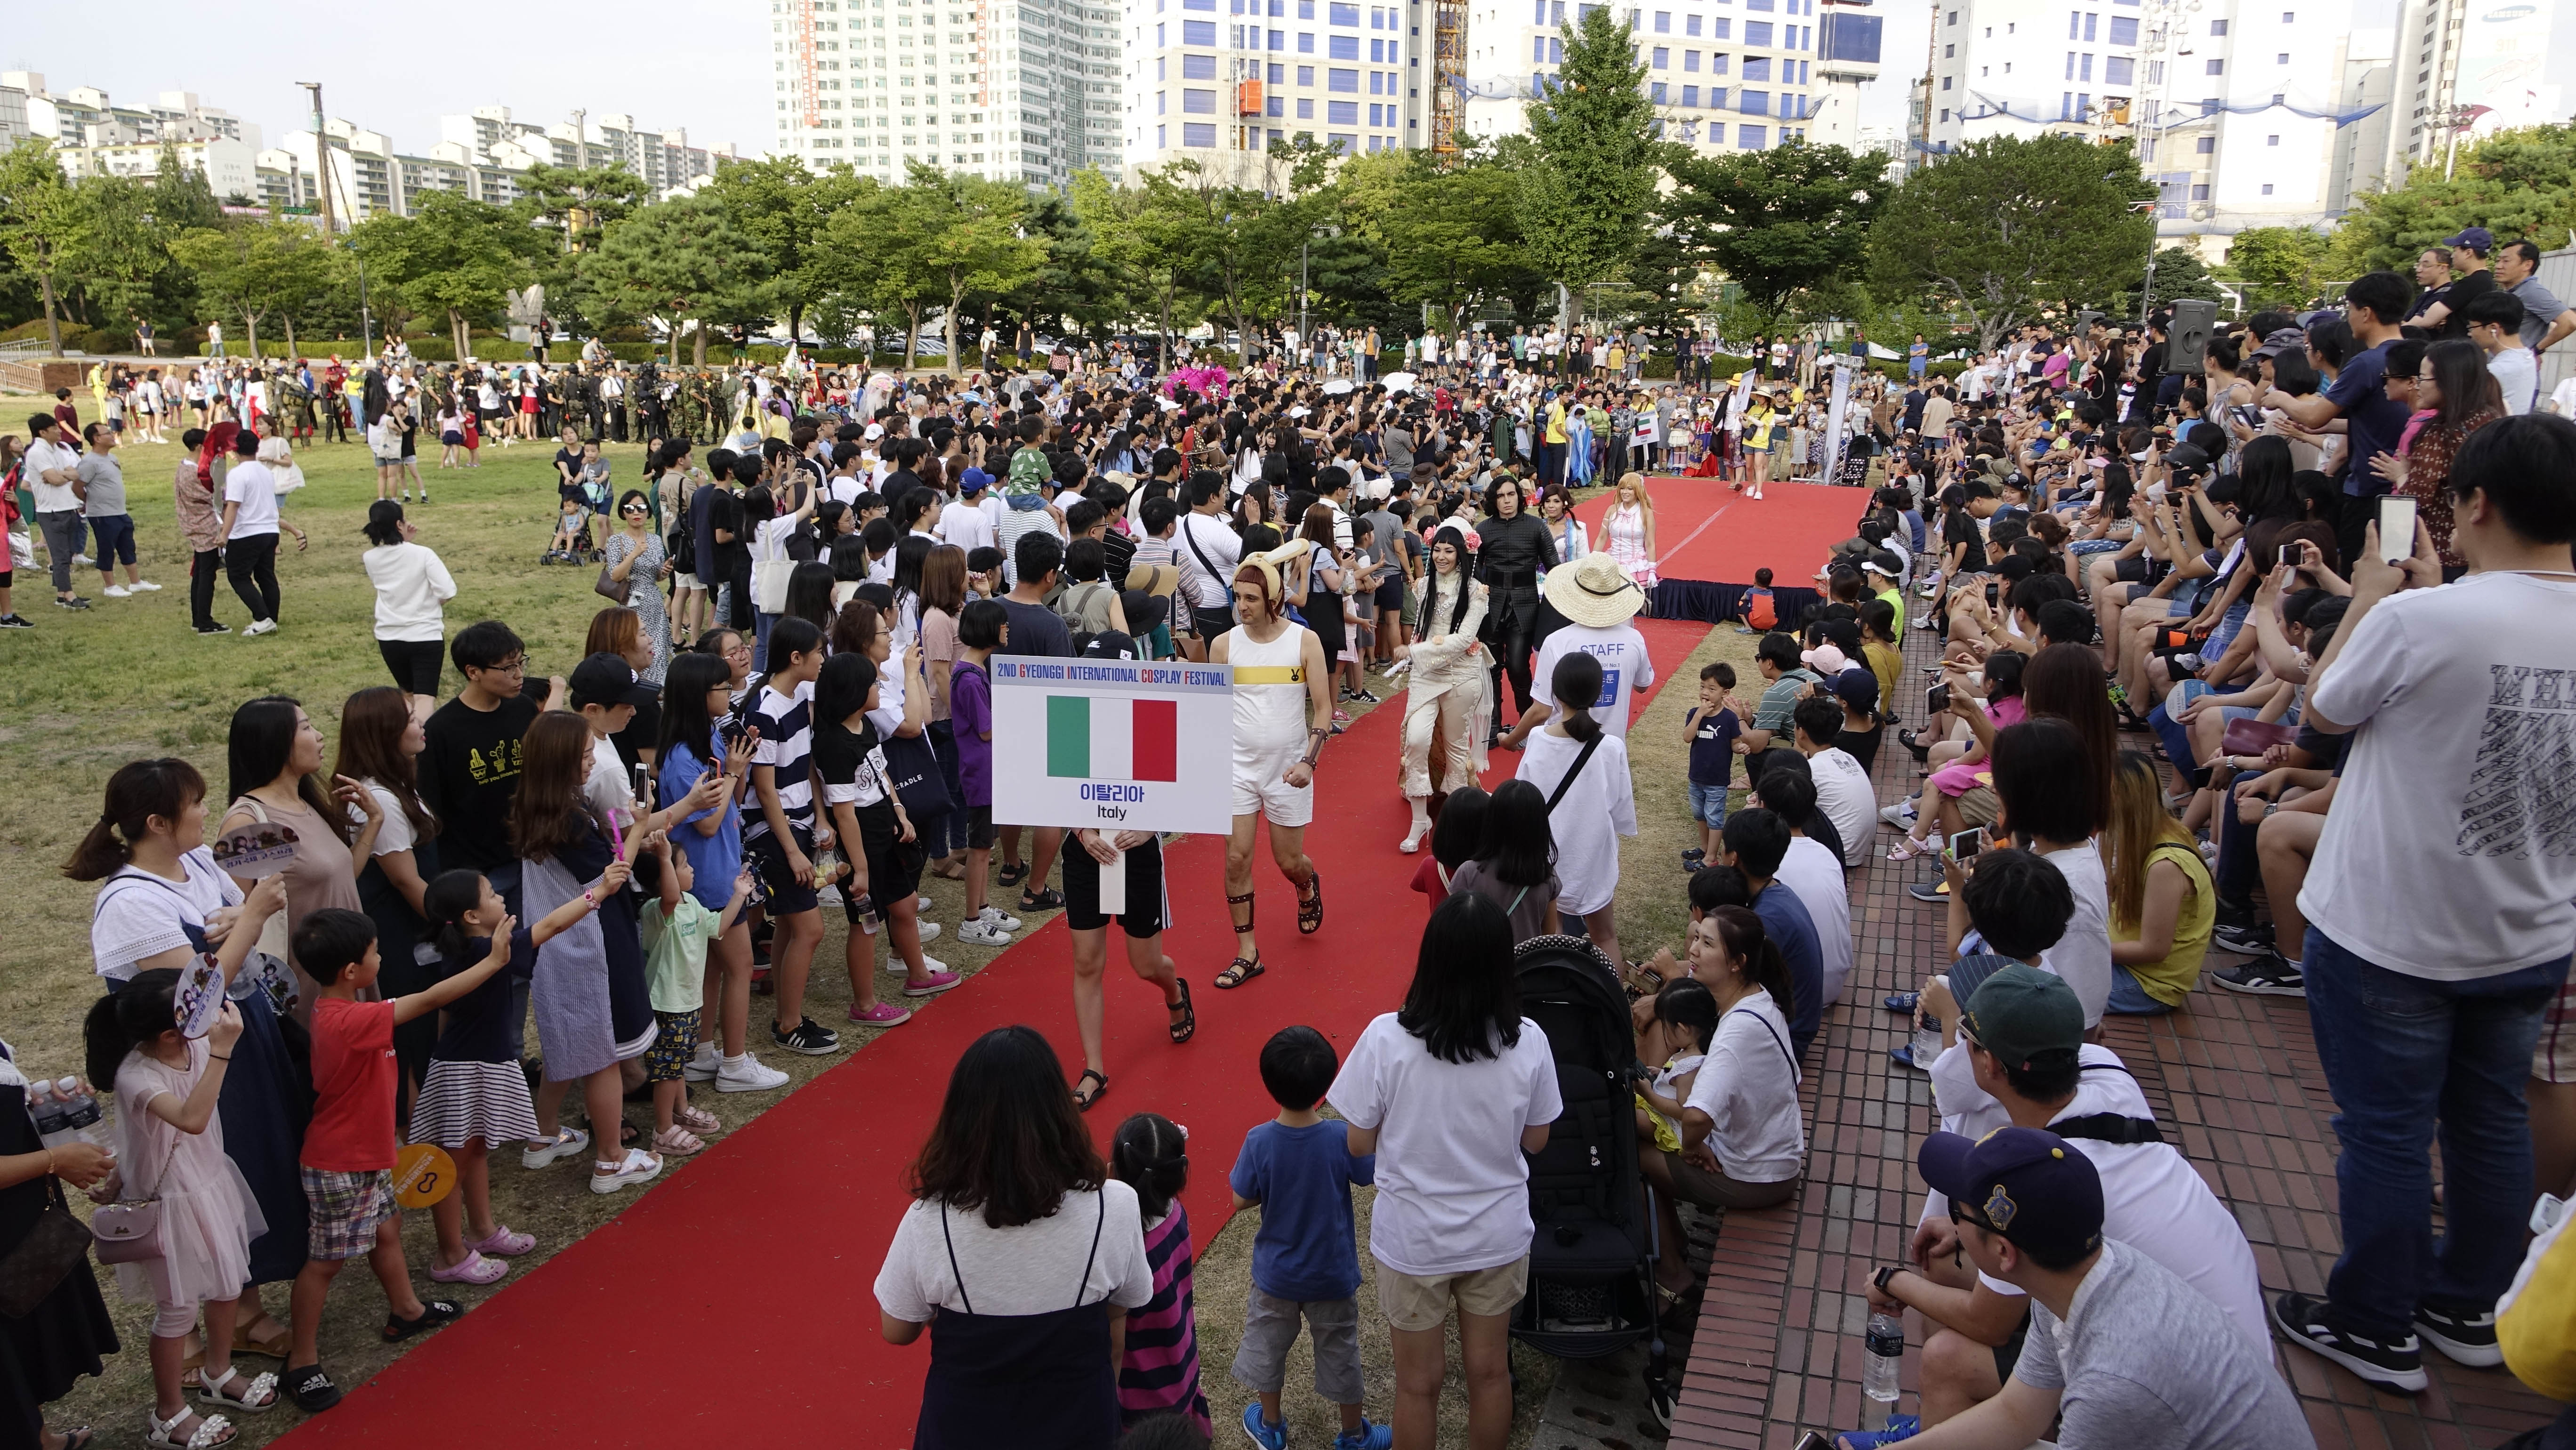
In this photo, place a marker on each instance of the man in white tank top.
(1283, 708)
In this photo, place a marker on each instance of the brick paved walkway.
(1777, 1349)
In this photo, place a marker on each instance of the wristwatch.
(1879, 1279)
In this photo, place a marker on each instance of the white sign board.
(1113, 744)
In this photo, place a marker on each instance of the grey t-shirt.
(1526, 905)
(2144, 1361)
(105, 480)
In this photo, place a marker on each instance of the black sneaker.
(1365, 698)
(2270, 975)
(311, 1389)
(212, 629)
(11, 621)
(75, 602)
(808, 1038)
(2252, 939)
(1936, 890)
(2464, 1332)
(2309, 1323)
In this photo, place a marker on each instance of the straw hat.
(1594, 591)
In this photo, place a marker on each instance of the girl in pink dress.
(1629, 529)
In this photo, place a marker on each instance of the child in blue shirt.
(1305, 1261)
(1711, 728)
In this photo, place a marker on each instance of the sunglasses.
(1961, 1213)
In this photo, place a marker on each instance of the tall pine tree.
(1588, 176)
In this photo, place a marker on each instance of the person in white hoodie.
(412, 590)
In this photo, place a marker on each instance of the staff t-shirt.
(1625, 669)
(353, 1087)
(2450, 853)
(1452, 1183)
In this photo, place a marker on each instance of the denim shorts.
(1708, 804)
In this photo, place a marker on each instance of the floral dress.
(644, 596)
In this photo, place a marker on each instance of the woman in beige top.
(275, 757)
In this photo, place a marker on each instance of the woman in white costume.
(1283, 712)
(1447, 663)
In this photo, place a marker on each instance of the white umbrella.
(1337, 387)
(1400, 382)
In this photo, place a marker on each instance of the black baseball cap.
(2026, 1184)
(601, 679)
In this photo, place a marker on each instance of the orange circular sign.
(423, 1174)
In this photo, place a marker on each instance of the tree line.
(1591, 213)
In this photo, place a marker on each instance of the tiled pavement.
(1777, 1348)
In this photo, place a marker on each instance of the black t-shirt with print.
(469, 771)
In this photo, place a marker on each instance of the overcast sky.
(699, 64)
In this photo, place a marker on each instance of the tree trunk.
(287, 321)
(53, 320)
(698, 342)
(1163, 339)
(956, 300)
(911, 334)
(250, 330)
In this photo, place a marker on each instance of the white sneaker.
(143, 586)
(983, 933)
(750, 1075)
(929, 931)
(260, 626)
(636, 1167)
(117, 591)
(922, 905)
(996, 916)
(702, 1068)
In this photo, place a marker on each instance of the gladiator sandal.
(1241, 969)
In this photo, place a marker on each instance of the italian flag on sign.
(1113, 739)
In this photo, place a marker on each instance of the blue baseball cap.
(2476, 239)
(974, 480)
(2027, 1185)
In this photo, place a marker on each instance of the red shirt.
(353, 1087)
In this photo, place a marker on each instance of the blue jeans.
(2407, 1057)
(2176, 735)
(1708, 805)
(2128, 999)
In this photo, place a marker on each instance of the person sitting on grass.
(2150, 1363)
(1298, 1170)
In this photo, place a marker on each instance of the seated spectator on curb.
(2162, 904)
(2122, 1352)
(1755, 843)
(2044, 801)
(1843, 789)
(1812, 873)
(1743, 1141)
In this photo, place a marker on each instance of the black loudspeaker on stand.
(2193, 320)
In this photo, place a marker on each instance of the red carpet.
(1704, 532)
(733, 1300)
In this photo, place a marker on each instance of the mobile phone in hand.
(1937, 699)
(1967, 843)
(2396, 527)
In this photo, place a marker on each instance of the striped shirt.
(1160, 1371)
(786, 726)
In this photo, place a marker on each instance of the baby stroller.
(1591, 1277)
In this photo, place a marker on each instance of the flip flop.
(1188, 1026)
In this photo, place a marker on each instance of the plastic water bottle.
(1927, 1034)
(53, 1116)
(1885, 1349)
(81, 1112)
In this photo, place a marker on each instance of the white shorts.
(1261, 786)
(685, 581)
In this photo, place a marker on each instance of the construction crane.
(1448, 72)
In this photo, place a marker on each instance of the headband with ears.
(1266, 566)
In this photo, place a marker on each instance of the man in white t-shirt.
(1843, 789)
(1208, 552)
(2016, 1056)
(2439, 904)
(967, 525)
(1597, 599)
(250, 533)
(51, 466)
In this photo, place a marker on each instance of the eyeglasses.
(509, 667)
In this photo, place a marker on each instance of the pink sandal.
(1907, 848)
(696, 1119)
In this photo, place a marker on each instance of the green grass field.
(83, 693)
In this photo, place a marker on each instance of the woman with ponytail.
(1743, 1142)
(1583, 769)
(163, 904)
